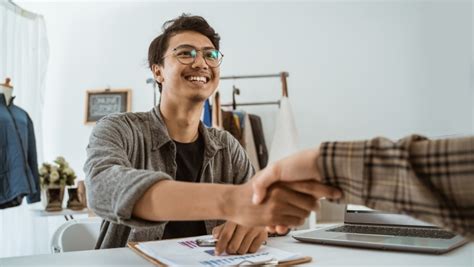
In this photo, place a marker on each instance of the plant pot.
(74, 203)
(52, 198)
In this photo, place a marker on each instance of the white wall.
(357, 69)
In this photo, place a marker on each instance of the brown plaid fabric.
(432, 180)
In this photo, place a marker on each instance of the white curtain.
(23, 57)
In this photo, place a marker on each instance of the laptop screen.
(364, 215)
(358, 208)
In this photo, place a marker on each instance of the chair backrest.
(75, 235)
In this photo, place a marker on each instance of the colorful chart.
(233, 259)
(189, 243)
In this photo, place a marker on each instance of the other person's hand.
(285, 204)
(297, 167)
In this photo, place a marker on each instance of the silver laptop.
(368, 228)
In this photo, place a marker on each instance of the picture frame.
(100, 103)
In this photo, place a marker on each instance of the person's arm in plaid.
(432, 180)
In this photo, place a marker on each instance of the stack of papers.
(186, 252)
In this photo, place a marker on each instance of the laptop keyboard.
(394, 231)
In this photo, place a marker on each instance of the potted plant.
(53, 178)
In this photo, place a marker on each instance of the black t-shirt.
(189, 158)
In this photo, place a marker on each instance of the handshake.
(282, 195)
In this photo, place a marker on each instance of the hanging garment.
(216, 112)
(239, 122)
(247, 137)
(18, 164)
(285, 138)
(259, 139)
(230, 125)
(250, 143)
(207, 116)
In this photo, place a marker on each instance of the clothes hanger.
(7, 83)
(235, 91)
(7, 90)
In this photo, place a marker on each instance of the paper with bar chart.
(186, 252)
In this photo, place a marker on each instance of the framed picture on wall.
(103, 102)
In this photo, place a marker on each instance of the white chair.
(75, 235)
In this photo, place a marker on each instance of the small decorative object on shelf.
(74, 203)
(52, 198)
(81, 192)
(53, 178)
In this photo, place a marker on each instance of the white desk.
(322, 256)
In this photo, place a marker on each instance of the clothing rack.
(235, 91)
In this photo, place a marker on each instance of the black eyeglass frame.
(194, 58)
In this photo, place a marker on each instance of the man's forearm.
(181, 201)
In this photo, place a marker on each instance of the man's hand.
(237, 239)
(285, 204)
(301, 166)
(316, 189)
(297, 167)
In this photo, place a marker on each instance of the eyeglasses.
(187, 54)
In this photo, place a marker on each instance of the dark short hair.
(185, 22)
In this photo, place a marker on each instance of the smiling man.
(162, 174)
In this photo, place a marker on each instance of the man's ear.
(157, 73)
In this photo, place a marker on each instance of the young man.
(162, 174)
(429, 179)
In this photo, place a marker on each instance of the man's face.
(194, 82)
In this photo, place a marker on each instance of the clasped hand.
(285, 204)
(280, 196)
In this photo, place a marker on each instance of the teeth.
(197, 78)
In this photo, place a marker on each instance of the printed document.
(185, 251)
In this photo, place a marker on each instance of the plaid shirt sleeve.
(432, 180)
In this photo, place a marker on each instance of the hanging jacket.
(259, 140)
(250, 147)
(231, 125)
(207, 116)
(18, 164)
(247, 137)
(216, 112)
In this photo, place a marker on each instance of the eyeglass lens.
(187, 55)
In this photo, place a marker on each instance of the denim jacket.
(129, 152)
(18, 164)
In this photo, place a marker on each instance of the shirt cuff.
(341, 164)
